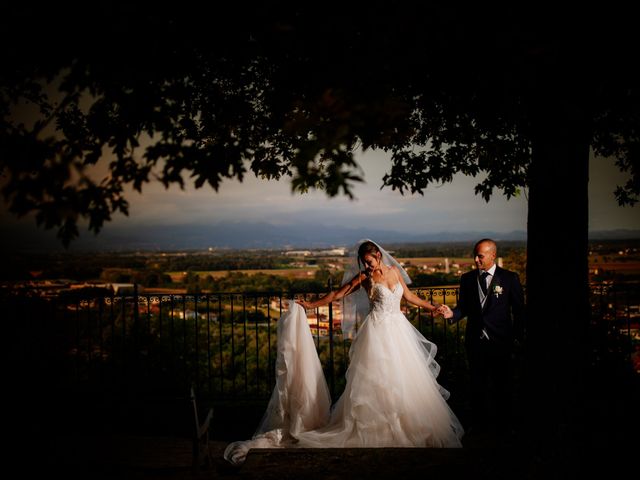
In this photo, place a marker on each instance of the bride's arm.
(343, 291)
(411, 297)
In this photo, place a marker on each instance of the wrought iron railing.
(615, 323)
(225, 343)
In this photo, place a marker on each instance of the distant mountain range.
(244, 235)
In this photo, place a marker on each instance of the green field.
(306, 272)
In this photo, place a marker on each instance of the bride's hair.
(367, 248)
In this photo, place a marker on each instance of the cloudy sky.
(449, 208)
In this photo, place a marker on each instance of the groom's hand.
(445, 311)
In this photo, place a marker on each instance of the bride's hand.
(303, 303)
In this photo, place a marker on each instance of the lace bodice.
(384, 300)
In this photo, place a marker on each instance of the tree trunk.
(557, 267)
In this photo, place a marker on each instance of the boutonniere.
(497, 290)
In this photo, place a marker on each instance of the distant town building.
(298, 253)
(333, 252)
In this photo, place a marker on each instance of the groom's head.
(484, 253)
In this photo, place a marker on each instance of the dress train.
(391, 397)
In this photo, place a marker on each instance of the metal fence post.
(332, 385)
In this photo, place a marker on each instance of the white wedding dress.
(391, 397)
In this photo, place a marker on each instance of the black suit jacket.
(503, 314)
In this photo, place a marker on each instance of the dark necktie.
(483, 282)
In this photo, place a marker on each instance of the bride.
(391, 397)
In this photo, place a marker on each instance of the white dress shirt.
(483, 298)
(491, 273)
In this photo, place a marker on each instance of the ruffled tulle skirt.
(391, 397)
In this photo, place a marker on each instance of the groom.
(492, 299)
